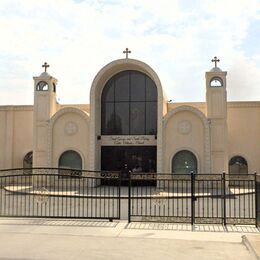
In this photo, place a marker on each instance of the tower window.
(42, 86)
(216, 82)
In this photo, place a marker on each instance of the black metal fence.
(58, 193)
(184, 198)
(257, 203)
(195, 198)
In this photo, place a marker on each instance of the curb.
(250, 248)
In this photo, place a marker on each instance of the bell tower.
(44, 107)
(216, 97)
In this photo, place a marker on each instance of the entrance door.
(136, 158)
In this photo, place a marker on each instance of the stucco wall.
(175, 140)
(243, 135)
(244, 132)
(63, 141)
(16, 131)
(23, 133)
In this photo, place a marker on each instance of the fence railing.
(195, 198)
(181, 198)
(59, 193)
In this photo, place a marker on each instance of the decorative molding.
(241, 104)
(199, 105)
(16, 108)
(52, 121)
(206, 123)
(84, 107)
(184, 127)
(71, 128)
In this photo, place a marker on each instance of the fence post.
(224, 198)
(257, 201)
(129, 196)
(192, 198)
(119, 194)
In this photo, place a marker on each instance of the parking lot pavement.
(79, 239)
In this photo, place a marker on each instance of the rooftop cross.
(215, 60)
(45, 66)
(126, 52)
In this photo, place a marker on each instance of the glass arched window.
(28, 162)
(216, 82)
(184, 162)
(129, 105)
(71, 160)
(238, 165)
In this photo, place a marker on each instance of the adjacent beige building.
(129, 123)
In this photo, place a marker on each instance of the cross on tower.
(215, 60)
(126, 52)
(45, 66)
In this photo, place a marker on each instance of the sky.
(177, 38)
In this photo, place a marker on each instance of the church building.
(131, 123)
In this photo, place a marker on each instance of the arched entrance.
(184, 162)
(129, 122)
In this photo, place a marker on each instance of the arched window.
(71, 160)
(28, 162)
(238, 165)
(216, 82)
(129, 105)
(184, 162)
(42, 86)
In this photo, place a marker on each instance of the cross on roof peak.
(215, 60)
(126, 52)
(45, 66)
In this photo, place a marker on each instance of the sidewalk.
(252, 243)
(83, 239)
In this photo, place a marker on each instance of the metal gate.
(184, 198)
(59, 193)
(195, 199)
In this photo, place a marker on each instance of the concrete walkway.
(82, 239)
(252, 243)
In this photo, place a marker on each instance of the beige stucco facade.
(214, 130)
